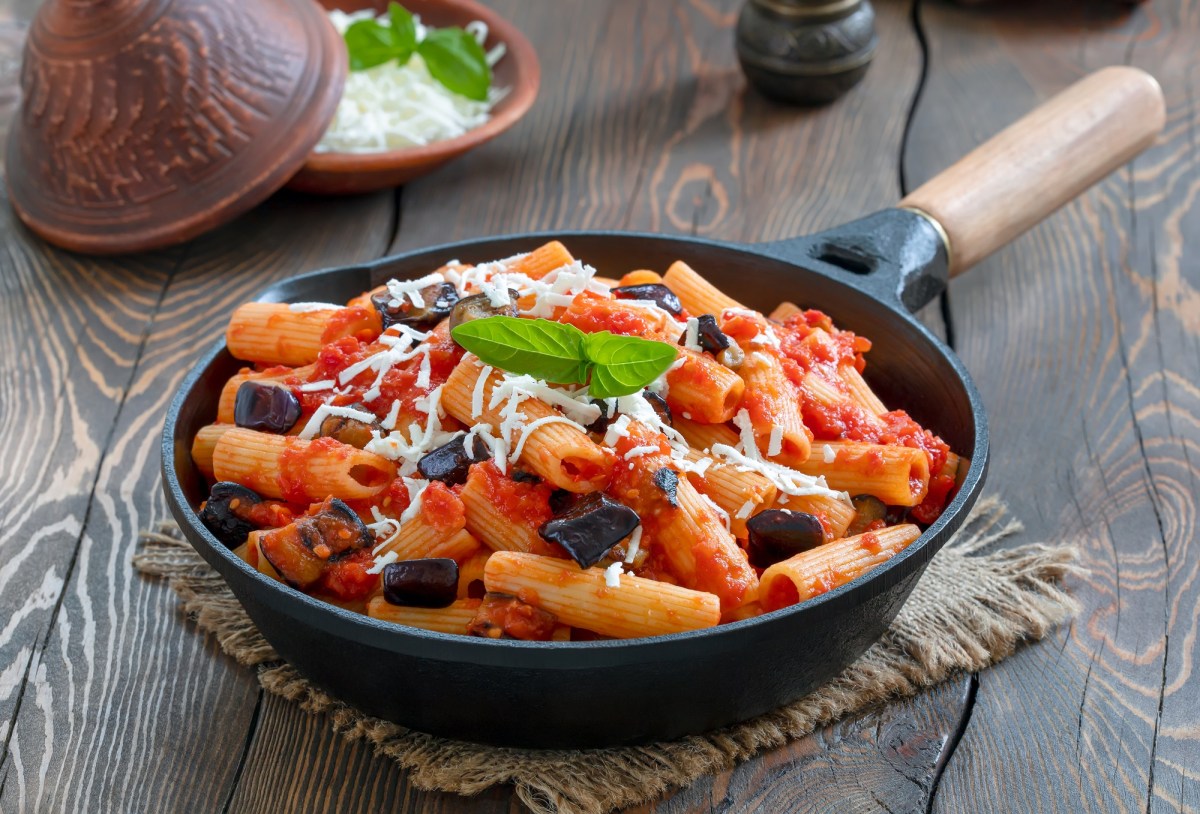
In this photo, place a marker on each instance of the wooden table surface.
(1083, 337)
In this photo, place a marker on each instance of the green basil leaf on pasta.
(456, 60)
(625, 364)
(546, 350)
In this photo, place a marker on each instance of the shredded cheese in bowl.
(393, 106)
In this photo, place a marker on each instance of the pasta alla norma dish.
(526, 449)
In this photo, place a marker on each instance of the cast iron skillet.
(868, 275)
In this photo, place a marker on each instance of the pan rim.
(477, 650)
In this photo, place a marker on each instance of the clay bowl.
(346, 173)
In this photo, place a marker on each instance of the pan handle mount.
(1036, 165)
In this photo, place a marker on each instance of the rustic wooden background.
(1084, 338)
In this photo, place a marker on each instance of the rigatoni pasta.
(540, 484)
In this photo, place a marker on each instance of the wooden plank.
(1084, 339)
(118, 703)
(646, 125)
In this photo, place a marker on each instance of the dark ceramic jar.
(806, 51)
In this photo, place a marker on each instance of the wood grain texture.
(108, 702)
(1084, 339)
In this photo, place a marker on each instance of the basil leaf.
(369, 44)
(456, 60)
(404, 30)
(540, 348)
(625, 364)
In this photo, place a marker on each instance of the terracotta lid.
(146, 122)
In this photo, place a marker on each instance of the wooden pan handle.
(1027, 171)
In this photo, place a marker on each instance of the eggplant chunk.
(425, 583)
(299, 550)
(437, 300)
(226, 513)
(479, 306)
(778, 534)
(657, 293)
(265, 407)
(660, 406)
(708, 334)
(668, 481)
(349, 431)
(867, 509)
(590, 527)
(451, 462)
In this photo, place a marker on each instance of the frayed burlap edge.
(971, 609)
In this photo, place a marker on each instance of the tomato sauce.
(441, 508)
(347, 579)
(592, 313)
(527, 503)
(502, 615)
(356, 321)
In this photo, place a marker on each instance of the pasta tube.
(299, 471)
(826, 567)
(582, 598)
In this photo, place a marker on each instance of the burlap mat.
(972, 608)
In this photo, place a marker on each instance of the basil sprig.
(610, 364)
(452, 55)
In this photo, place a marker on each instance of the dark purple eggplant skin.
(427, 583)
(777, 534)
(450, 463)
(439, 298)
(600, 425)
(668, 481)
(265, 407)
(479, 306)
(708, 334)
(660, 406)
(224, 512)
(659, 293)
(589, 527)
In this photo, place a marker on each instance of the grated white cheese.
(788, 481)
(392, 106)
(399, 289)
(308, 307)
(324, 411)
(746, 432)
(389, 420)
(612, 575)
(775, 445)
(416, 489)
(691, 335)
(638, 452)
(380, 562)
(635, 544)
(477, 393)
(828, 454)
(395, 446)
(745, 510)
(313, 387)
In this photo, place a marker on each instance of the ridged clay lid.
(144, 123)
